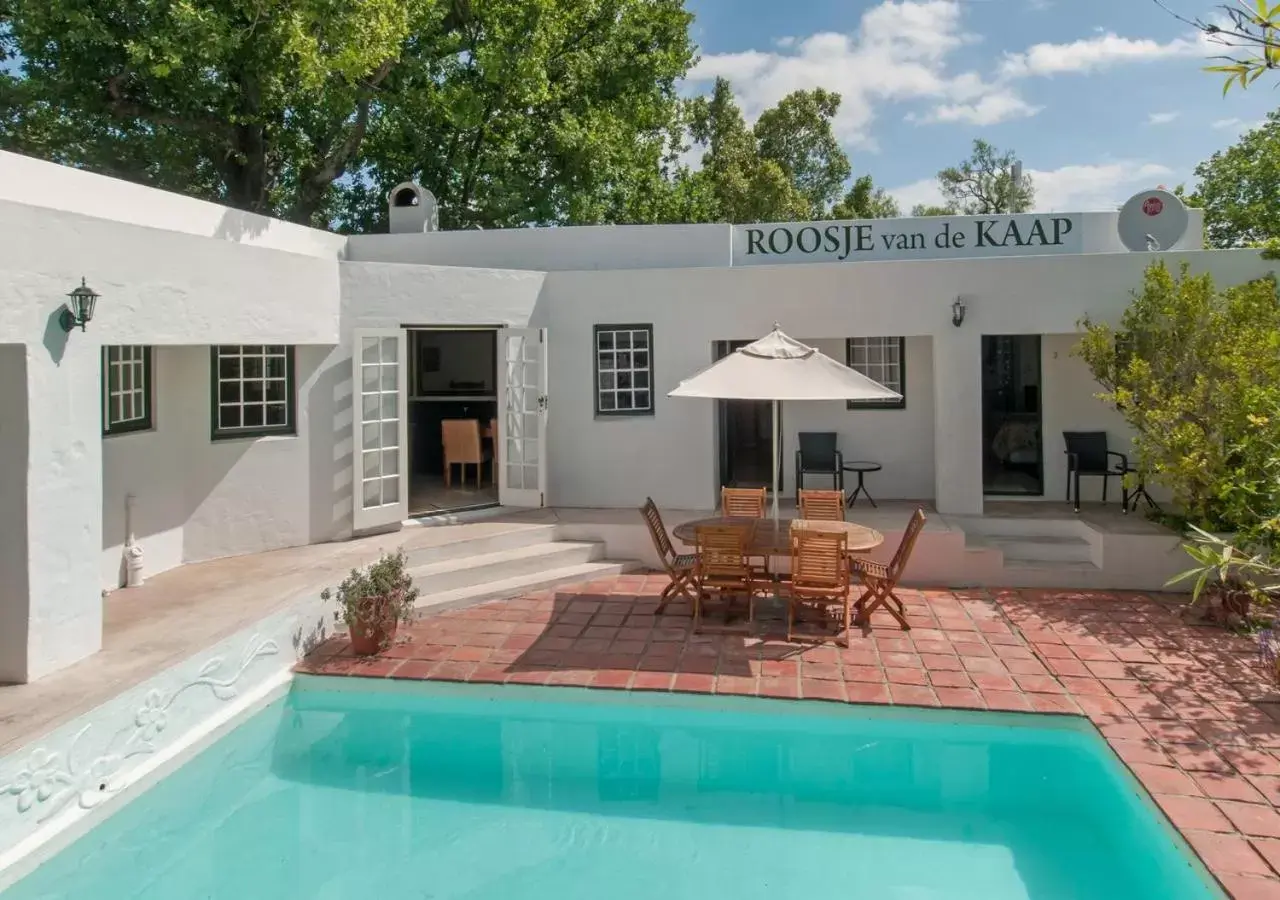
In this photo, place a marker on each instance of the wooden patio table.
(770, 538)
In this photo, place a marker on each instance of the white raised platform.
(1015, 544)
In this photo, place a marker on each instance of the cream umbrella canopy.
(780, 368)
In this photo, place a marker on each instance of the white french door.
(380, 425)
(522, 419)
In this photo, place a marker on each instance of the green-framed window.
(253, 390)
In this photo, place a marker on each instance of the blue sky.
(1100, 98)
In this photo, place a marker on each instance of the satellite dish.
(1152, 221)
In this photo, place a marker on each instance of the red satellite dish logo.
(1152, 206)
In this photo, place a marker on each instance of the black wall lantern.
(957, 312)
(79, 307)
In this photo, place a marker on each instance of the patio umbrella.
(779, 368)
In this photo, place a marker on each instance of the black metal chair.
(1087, 454)
(819, 455)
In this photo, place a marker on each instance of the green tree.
(926, 209)
(797, 135)
(512, 111)
(1196, 372)
(866, 201)
(984, 183)
(1249, 31)
(788, 167)
(1239, 189)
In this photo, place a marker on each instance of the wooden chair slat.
(882, 581)
(680, 569)
(743, 503)
(822, 505)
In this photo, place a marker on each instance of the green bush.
(1196, 372)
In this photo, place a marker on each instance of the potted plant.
(374, 601)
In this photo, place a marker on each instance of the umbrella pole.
(776, 440)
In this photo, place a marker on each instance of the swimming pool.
(347, 788)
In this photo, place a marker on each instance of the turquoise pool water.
(449, 792)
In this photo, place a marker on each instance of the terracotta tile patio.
(1184, 706)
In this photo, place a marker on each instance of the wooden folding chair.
(824, 505)
(745, 503)
(881, 580)
(721, 568)
(742, 503)
(819, 574)
(678, 565)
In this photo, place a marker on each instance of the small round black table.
(1129, 499)
(861, 468)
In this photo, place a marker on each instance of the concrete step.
(500, 565)
(522, 584)
(448, 542)
(1043, 548)
(1016, 526)
(1035, 550)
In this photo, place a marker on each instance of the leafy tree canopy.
(866, 201)
(512, 111)
(984, 184)
(1239, 189)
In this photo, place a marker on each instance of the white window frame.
(127, 393)
(243, 376)
(614, 364)
(883, 360)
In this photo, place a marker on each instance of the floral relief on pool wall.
(50, 779)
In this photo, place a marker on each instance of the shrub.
(1196, 372)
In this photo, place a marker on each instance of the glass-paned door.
(1012, 434)
(380, 406)
(522, 420)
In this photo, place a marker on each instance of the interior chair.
(721, 568)
(881, 581)
(819, 575)
(679, 566)
(819, 455)
(461, 439)
(742, 503)
(1087, 454)
(824, 505)
(497, 457)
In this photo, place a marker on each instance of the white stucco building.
(247, 384)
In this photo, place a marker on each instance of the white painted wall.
(64, 502)
(553, 249)
(672, 455)
(158, 287)
(901, 440)
(35, 182)
(1070, 405)
(14, 596)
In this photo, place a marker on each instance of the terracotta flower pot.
(374, 628)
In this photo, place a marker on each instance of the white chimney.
(412, 209)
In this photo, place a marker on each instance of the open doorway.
(453, 409)
(1012, 432)
(746, 436)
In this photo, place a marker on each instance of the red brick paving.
(1185, 707)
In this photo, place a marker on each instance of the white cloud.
(1238, 125)
(1162, 118)
(1092, 54)
(994, 107)
(899, 52)
(1067, 189)
(902, 51)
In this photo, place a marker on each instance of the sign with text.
(933, 237)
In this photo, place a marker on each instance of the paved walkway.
(1186, 707)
